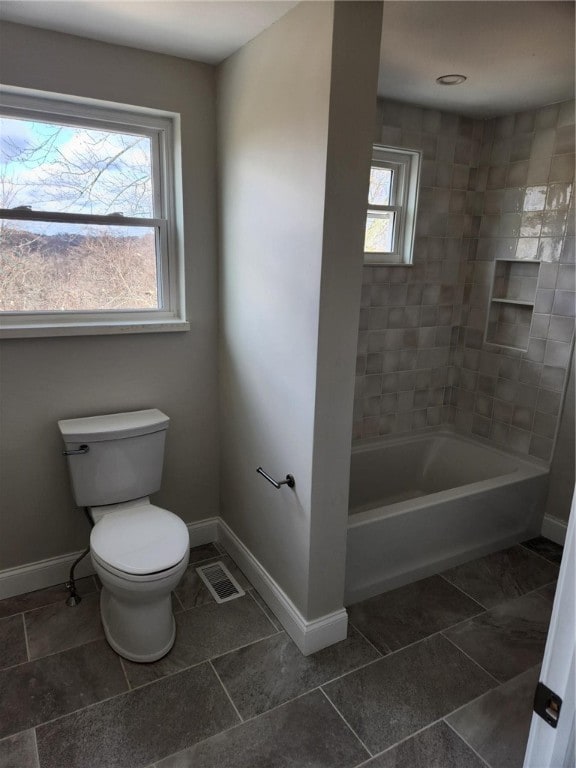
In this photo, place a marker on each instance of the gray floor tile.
(31, 600)
(508, 639)
(192, 592)
(400, 617)
(203, 633)
(436, 747)
(203, 552)
(12, 641)
(267, 612)
(497, 724)
(176, 604)
(545, 548)
(406, 691)
(306, 733)
(58, 627)
(498, 577)
(140, 727)
(272, 671)
(38, 691)
(549, 591)
(19, 751)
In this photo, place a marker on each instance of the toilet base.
(136, 611)
(142, 658)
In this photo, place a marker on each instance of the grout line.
(125, 673)
(247, 645)
(542, 557)
(239, 725)
(428, 637)
(261, 607)
(506, 599)
(487, 693)
(213, 668)
(539, 589)
(87, 596)
(80, 709)
(463, 591)
(62, 598)
(36, 747)
(178, 602)
(26, 639)
(363, 636)
(478, 755)
(56, 653)
(346, 723)
(207, 660)
(350, 671)
(406, 738)
(498, 682)
(549, 602)
(115, 696)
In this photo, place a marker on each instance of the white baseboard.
(555, 530)
(56, 570)
(43, 573)
(204, 531)
(309, 636)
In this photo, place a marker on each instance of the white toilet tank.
(124, 458)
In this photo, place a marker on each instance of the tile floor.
(437, 674)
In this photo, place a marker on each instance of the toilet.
(139, 551)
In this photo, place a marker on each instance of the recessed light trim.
(451, 79)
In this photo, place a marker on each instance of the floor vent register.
(220, 582)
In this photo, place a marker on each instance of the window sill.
(383, 263)
(92, 329)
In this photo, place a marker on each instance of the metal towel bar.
(290, 482)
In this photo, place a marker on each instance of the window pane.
(380, 186)
(59, 267)
(54, 167)
(379, 232)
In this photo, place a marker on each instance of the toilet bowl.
(139, 551)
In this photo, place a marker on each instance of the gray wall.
(524, 205)
(290, 285)
(408, 312)
(43, 380)
(501, 188)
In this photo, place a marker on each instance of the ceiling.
(516, 54)
(193, 29)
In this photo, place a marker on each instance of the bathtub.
(421, 504)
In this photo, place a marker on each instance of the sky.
(57, 167)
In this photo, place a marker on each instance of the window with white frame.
(87, 218)
(392, 203)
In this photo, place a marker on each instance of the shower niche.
(512, 303)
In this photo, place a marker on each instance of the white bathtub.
(421, 504)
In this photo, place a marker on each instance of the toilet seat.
(140, 578)
(142, 540)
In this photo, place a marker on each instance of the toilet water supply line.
(74, 598)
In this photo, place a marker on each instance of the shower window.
(392, 202)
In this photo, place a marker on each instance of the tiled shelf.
(512, 303)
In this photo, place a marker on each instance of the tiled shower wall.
(501, 188)
(524, 194)
(408, 313)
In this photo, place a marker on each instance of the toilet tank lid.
(91, 429)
